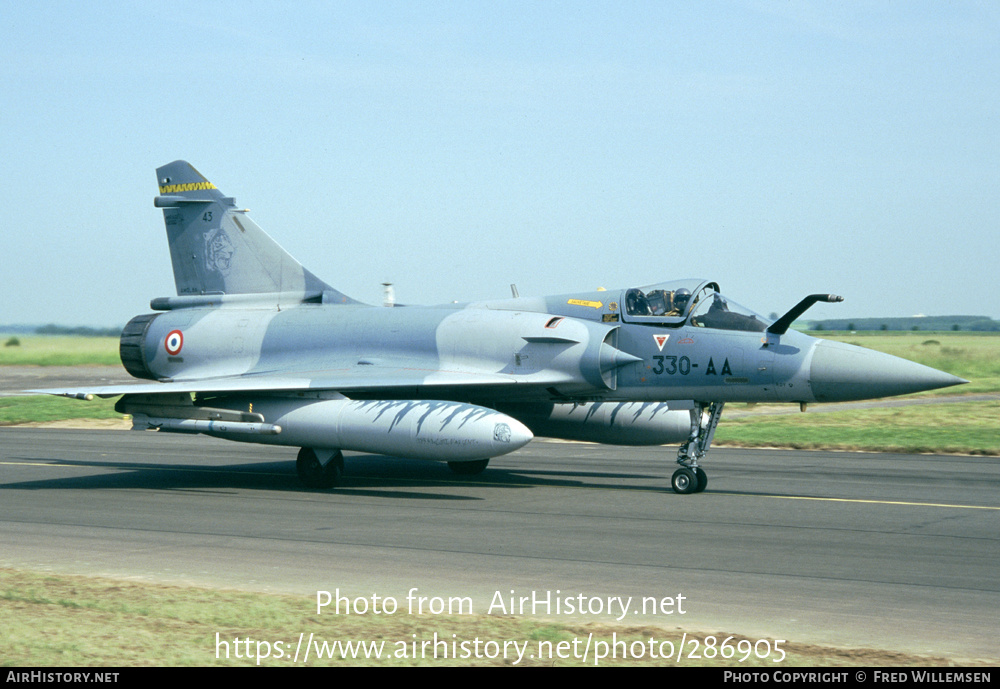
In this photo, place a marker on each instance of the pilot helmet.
(681, 298)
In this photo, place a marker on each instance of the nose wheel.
(691, 478)
(686, 481)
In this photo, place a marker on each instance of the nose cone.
(842, 372)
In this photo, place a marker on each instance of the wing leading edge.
(341, 381)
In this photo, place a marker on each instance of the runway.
(895, 552)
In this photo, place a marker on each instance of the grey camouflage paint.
(251, 325)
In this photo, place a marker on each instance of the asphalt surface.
(893, 552)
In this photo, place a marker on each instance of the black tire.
(702, 479)
(469, 468)
(684, 481)
(313, 474)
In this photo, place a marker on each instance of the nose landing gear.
(691, 478)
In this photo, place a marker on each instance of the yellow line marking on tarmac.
(870, 502)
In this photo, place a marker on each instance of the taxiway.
(893, 552)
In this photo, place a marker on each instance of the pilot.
(681, 298)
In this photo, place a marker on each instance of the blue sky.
(780, 148)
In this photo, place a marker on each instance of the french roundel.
(174, 342)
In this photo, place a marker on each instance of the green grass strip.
(959, 428)
(45, 408)
(60, 620)
(58, 350)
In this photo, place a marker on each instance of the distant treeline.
(938, 323)
(83, 331)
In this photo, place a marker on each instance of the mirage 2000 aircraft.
(256, 348)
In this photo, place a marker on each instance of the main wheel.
(469, 468)
(684, 481)
(312, 472)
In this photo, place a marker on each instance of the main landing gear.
(472, 468)
(320, 468)
(691, 478)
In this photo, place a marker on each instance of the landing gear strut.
(320, 468)
(691, 478)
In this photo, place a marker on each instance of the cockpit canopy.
(695, 302)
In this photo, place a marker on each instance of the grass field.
(970, 428)
(45, 408)
(58, 350)
(52, 621)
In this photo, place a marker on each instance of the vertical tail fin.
(216, 249)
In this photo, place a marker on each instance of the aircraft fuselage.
(257, 348)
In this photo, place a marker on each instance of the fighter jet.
(256, 348)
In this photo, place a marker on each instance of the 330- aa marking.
(673, 365)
